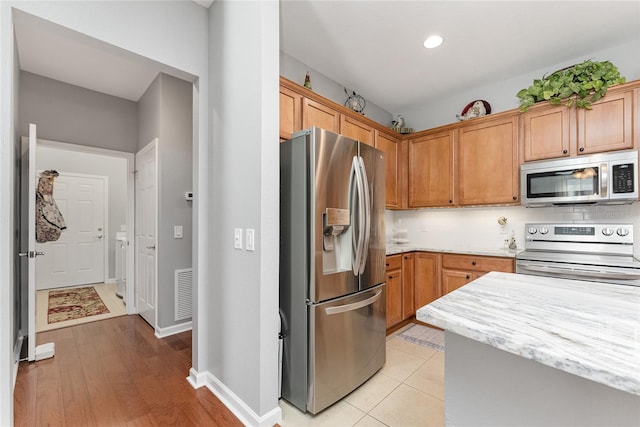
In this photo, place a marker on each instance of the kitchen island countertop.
(588, 329)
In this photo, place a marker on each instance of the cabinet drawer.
(477, 263)
(394, 262)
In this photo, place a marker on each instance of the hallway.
(114, 372)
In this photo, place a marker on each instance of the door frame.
(105, 218)
(129, 296)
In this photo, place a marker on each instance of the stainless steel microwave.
(597, 179)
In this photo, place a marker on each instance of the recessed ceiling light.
(433, 41)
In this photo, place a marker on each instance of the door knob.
(99, 236)
(30, 254)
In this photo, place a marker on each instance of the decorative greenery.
(579, 85)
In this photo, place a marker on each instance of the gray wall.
(296, 71)
(243, 295)
(68, 113)
(502, 94)
(165, 112)
(172, 33)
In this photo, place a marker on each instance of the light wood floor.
(114, 372)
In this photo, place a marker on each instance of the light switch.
(237, 238)
(177, 232)
(250, 240)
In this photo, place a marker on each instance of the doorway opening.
(94, 192)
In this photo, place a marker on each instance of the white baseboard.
(196, 379)
(172, 330)
(17, 349)
(236, 405)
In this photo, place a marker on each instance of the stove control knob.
(607, 231)
(622, 232)
(531, 230)
(544, 230)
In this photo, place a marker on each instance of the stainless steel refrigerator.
(332, 266)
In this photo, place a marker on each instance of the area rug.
(424, 336)
(74, 303)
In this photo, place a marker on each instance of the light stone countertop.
(393, 249)
(588, 329)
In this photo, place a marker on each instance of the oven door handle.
(604, 274)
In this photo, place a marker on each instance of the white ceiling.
(65, 55)
(373, 47)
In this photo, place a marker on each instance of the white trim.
(16, 359)
(172, 330)
(196, 379)
(237, 406)
(131, 303)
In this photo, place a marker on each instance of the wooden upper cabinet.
(290, 112)
(550, 131)
(608, 126)
(431, 170)
(355, 129)
(317, 114)
(488, 163)
(546, 132)
(393, 168)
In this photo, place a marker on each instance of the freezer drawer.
(347, 345)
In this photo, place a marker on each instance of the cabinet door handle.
(515, 197)
(581, 149)
(387, 264)
(564, 151)
(468, 277)
(472, 263)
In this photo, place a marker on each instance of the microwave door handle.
(604, 181)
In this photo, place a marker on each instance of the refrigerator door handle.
(353, 306)
(359, 244)
(367, 215)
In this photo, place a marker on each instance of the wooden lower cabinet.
(458, 270)
(408, 285)
(454, 279)
(426, 278)
(394, 297)
(415, 279)
(400, 288)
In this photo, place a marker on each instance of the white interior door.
(78, 256)
(146, 230)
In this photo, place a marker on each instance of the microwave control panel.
(623, 178)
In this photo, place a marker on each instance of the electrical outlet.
(237, 238)
(177, 232)
(250, 239)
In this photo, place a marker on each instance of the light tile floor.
(407, 391)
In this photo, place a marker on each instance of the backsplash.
(478, 228)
